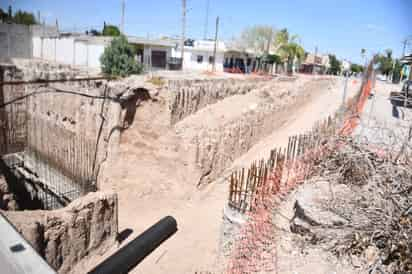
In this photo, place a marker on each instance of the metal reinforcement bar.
(125, 259)
(43, 81)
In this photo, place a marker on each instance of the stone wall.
(63, 237)
(189, 96)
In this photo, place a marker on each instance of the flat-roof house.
(154, 53)
(85, 50)
(198, 55)
(315, 64)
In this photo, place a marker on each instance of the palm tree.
(363, 52)
(289, 48)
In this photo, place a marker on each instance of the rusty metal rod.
(43, 81)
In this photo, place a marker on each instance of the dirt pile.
(65, 236)
(362, 213)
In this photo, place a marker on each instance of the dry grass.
(157, 81)
(378, 210)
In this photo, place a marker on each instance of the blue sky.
(342, 27)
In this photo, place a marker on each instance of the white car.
(381, 77)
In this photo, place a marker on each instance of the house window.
(200, 59)
(210, 59)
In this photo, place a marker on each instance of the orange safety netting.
(255, 250)
(353, 121)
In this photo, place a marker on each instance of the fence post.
(345, 90)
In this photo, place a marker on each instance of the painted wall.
(64, 50)
(15, 41)
(190, 59)
(68, 51)
(147, 53)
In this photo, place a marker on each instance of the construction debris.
(371, 195)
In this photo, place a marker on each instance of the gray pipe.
(125, 259)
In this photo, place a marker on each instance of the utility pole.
(205, 34)
(314, 59)
(267, 51)
(122, 20)
(214, 50)
(404, 42)
(182, 42)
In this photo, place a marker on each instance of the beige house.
(315, 64)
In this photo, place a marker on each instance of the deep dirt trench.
(155, 180)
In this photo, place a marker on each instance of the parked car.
(381, 77)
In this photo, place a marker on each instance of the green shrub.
(118, 58)
(110, 30)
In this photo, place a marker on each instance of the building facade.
(315, 64)
(199, 55)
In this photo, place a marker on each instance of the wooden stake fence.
(249, 186)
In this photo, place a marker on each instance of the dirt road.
(199, 212)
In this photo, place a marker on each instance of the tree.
(385, 62)
(289, 48)
(258, 37)
(118, 58)
(10, 13)
(363, 52)
(283, 37)
(94, 32)
(110, 30)
(396, 72)
(3, 16)
(355, 68)
(335, 65)
(272, 59)
(25, 18)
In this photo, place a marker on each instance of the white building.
(153, 53)
(345, 65)
(200, 55)
(83, 50)
(77, 50)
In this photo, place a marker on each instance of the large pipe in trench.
(125, 259)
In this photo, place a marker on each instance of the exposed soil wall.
(65, 236)
(70, 130)
(223, 132)
(190, 134)
(189, 96)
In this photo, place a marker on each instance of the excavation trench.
(190, 132)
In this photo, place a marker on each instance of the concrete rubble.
(64, 237)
